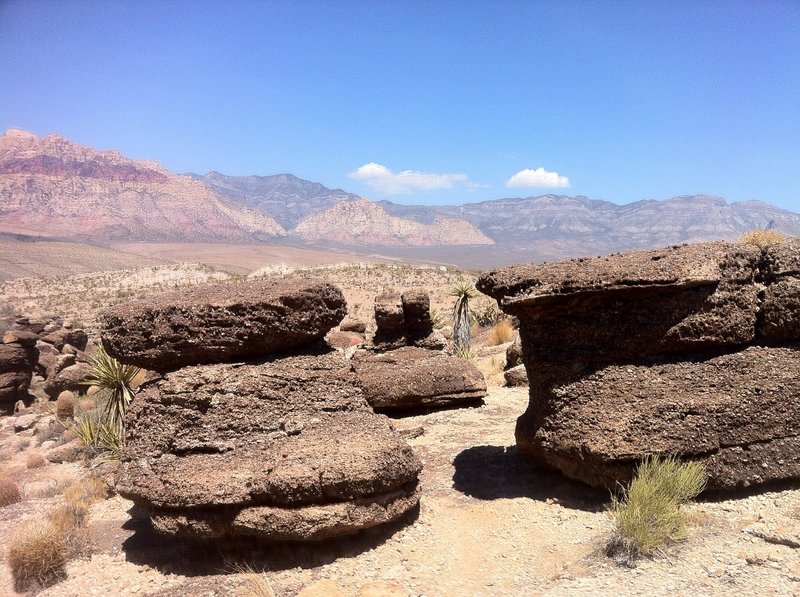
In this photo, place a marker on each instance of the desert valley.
(333, 396)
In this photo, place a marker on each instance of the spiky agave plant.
(114, 379)
(463, 291)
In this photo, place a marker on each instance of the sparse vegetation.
(256, 584)
(115, 380)
(464, 352)
(37, 554)
(35, 460)
(438, 318)
(463, 291)
(648, 514)
(500, 333)
(10, 492)
(103, 438)
(763, 238)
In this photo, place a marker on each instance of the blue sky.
(425, 102)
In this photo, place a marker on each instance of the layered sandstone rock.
(689, 350)
(287, 449)
(414, 377)
(405, 320)
(283, 447)
(18, 356)
(222, 322)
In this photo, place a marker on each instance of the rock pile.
(691, 350)
(405, 320)
(18, 357)
(283, 447)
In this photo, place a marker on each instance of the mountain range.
(50, 187)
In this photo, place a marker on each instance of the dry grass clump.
(762, 238)
(501, 332)
(37, 554)
(35, 460)
(648, 515)
(39, 550)
(256, 584)
(10, 492)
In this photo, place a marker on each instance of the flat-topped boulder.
(405, 320)
(690, 350)
(285, 449)
(411, 377)
(221, 322)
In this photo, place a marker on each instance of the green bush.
(648, 515)
(115, 381)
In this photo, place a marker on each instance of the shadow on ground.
(145, 546)
(494, 472)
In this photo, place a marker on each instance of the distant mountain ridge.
(51, 187)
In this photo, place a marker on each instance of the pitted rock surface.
(413, 377)
(689, 350)
(18, 356)
(405, 320)
(221, 323)
(286, 449)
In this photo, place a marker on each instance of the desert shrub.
(10, 492)
(256, 584)
(86, 491)
(762, 238)
(488, 315)
(37, 554)
(648, 515)
(438, 318)
(464, 352)
(35, 460)
(501, 332)
(115, 381)
(463, 291)
(101, 437)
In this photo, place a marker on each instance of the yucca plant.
(102, 437)
(115, 381)
(463, 291)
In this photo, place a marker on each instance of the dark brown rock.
(59, 338)
(413, 377)
(350, 325)
(405, 320)
(220, 323)
(516, 376)
(70, 378)
(283, 450)
(627, 356)
(18, 356)
(514, 354)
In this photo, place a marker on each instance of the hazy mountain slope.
(41, 259)
(284, 197)
(562, 226)
(52, 187)
(364, 223)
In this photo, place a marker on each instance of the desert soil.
(489, 524)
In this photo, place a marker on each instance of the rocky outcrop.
(516, 376)
(410, 377)
(405, 320)
(688, 350)
(222, 322)
(278, 448)
(18, 356)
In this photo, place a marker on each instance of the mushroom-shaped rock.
(282, 450)
(221, 322)
(690, 350)
(412, 377)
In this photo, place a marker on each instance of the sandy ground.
(489, 524)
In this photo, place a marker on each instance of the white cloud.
(384, 180)
(537, 178)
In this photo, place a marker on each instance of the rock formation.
(222, 322)
(690, 350)
(282, 448)
(414, 377)
(18, 356)
(405, 320)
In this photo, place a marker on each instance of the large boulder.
(63, 336)
(405, 320)
(412, 377)
(282, 450)
(689, 350)
(18, 356)
(220, 323)
(71, 378)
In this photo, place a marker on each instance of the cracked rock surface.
(691, 350)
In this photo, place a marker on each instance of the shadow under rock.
(415, 411)
(494, 472)
(222, 556)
